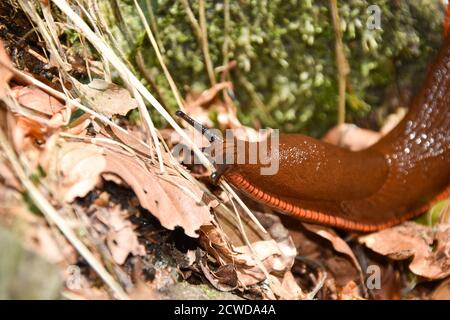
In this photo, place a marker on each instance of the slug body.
(397, 178)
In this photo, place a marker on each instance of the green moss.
(285, 50)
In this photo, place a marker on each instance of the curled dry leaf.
(24, 132)
(198, 105)
(428, 247)
(197, 102)
(224, 278)
(286, 287)
(194, 100)
(106, 98)
(265, 251)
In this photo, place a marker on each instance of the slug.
(397, 178)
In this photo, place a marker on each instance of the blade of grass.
(341, 61)
(152, 39)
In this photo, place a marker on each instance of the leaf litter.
(88, 166)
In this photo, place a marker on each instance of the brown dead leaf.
(351, 137)
(24, 131)
(170, 198)
(354, 138)
(275, 255)
(225, 278)
(106, 98)
(74, 169)
(47, 109)
(291, 289)
(338, 244)
(429, 248)
(274, 262)
(131, 140)
(35, 99)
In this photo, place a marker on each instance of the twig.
(154, 25)
(169, 78)
(202, 36)
(226, 31)
(205, 45)
(341, 61)
(193, 21)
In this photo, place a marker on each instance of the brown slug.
(397, 178)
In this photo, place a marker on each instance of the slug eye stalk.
(209, 134)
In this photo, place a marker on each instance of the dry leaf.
(194, 100)
(121, 238)
(74, 169)
(172, 199)
(429, 248)
(47, 110)
(275, 251)
(35, 99)
(351, 137)
(354, 138)
(338, 244)
(198, 105)
(131, 140)
(106, 98)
